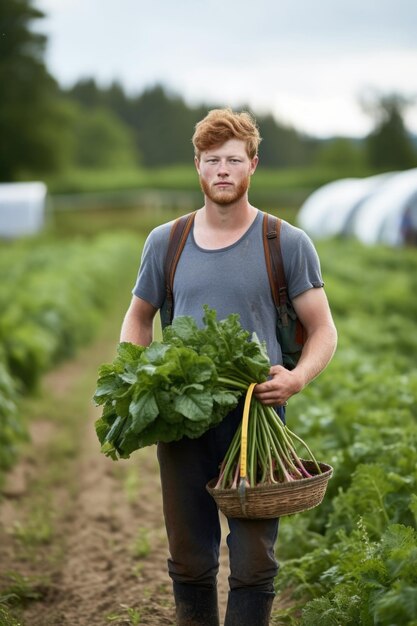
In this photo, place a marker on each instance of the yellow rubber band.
(244, 439)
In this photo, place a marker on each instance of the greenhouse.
(22, 209)
(377, 209)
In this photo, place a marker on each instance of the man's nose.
(223, 169)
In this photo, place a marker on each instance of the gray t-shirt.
(233, 279)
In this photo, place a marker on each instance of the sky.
(308, 63)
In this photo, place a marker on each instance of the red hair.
(220, 125)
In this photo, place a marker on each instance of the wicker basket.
(270, 501)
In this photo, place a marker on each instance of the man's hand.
(282, 385)
(313, 310)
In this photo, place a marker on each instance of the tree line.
(45, 128)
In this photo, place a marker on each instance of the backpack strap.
(276, 275)
(274, 262)
(177, 238)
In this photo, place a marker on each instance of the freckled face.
(225, 172)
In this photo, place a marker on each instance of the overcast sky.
(306, 62)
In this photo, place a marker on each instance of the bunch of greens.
(271, 453)
(187, 384)
(178, 387)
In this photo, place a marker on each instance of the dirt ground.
(104, 561)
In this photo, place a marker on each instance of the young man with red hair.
(223, 265)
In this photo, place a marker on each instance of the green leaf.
(156, 352)
(185, 327)
(397, 605)
(102, 428)
(225, 398)
(129, 352)
(143, 409)
(109, 450)
(106, 385)
(194, 405)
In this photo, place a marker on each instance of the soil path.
(108, 533)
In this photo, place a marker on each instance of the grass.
(137, 198)
(142, 545)
(184, 177)
(38, 530)
(90, 221)
(131, 484)
(88, 201)
(129, 616)
(19, 589)
(16, 590)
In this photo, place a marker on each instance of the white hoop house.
(22, 208)
(381, 217)
(374, 209)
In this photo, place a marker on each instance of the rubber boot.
(196, 605)
(248, 608)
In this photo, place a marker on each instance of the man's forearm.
(317, 353)
(137, 326)
(140, 334)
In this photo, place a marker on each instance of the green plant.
(6, 617)
(341, 561)
(52, 298)
(37, 531)
(17, 589)
(142, 545)
(129, 615)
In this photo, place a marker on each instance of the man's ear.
(254, 163)
(197, 164)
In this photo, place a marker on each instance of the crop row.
(52, 298)
(353, 560)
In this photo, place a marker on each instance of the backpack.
(290, 332)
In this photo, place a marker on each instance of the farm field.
(82, 540)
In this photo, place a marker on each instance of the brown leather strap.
(273, 258)
(177, 238)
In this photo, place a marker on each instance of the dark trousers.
(192, 518)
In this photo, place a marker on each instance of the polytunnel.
(389, 215)
(22, 208)
(381, 208)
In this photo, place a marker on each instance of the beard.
(227, 196)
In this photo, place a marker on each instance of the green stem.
(233, 382)
(286, 434)
(231, 453)
(284, 455)
(284, 445)
(318, 468)
(252, 466)
(262, 453)
(279, 452)
(267, 448)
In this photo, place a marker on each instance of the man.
(223, 265)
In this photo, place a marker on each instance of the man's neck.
(230, 216)
(220, 226)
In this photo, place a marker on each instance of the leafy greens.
(178, 387)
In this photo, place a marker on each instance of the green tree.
(102, 140)
(31, 113)
(343, 154)
(164, 125)
(282, 145)
(389, 145)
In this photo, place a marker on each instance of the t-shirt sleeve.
(150, 283)
(301, 262)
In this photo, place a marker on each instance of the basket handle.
(244, 448)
